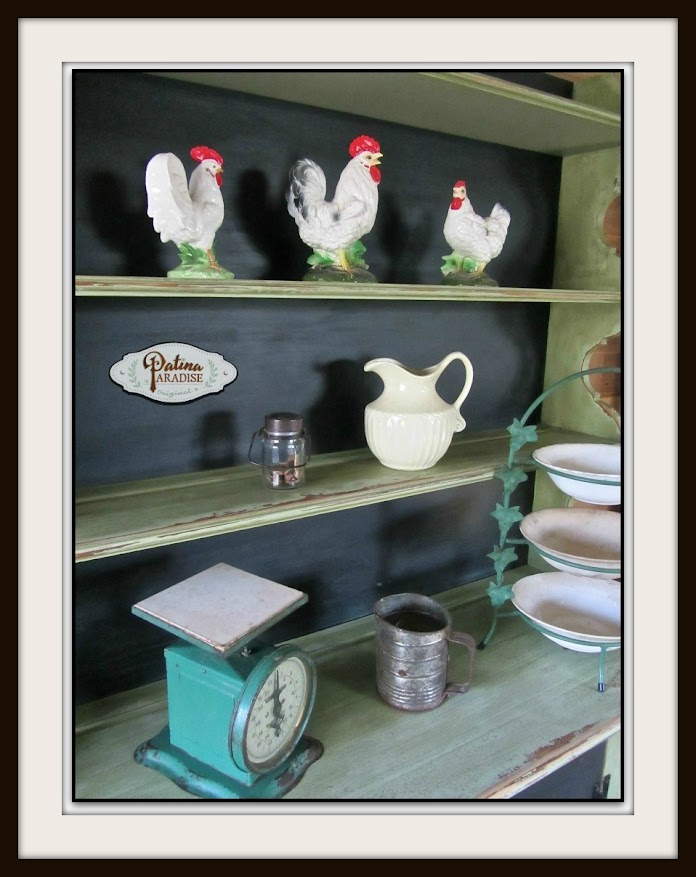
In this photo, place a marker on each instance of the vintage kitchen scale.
(238, 707)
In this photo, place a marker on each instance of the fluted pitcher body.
(410, 426)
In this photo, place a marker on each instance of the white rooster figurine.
(333, 229)
(474, 240)
(188, 212)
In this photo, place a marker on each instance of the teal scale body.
(213, 701)
(237, 707)
(203, 691)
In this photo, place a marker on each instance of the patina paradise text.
(178, 371)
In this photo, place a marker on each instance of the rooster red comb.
(459, 184)
(200, 153)
(363, 143)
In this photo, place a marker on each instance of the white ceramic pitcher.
(410, 426)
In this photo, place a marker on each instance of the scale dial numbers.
(278, 713)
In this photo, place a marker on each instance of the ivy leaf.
(506, 517)
(502, 557)
(511, 477)
(499, 594)
(521, 434)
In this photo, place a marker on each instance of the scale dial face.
(273, 711)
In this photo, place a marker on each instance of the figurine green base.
(199, 265)
(334, 274)
(200, 272)
(327, 267)
(463, 278)
(204, 781)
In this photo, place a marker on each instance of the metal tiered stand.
(508, 516)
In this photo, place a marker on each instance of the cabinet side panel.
(574, 330)
(603, 92)
(613, 771)
(586, 256)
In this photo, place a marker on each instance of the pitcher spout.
(390, 370)
(383, 365)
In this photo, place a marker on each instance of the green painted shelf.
(460, 102)
(162, 287)
(533, 707)
(122, 518)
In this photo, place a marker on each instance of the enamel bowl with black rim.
(577, 612)
(588, 472)
(586, 542)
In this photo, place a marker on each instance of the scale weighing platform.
(237, 709)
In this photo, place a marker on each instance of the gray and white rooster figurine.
(333, 229)
(189, 213)
(474, 240)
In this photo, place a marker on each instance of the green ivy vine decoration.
(505, 514)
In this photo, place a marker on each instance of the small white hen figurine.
(474, 240)
(189, 213)
(333, 229)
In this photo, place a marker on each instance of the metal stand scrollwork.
(512, 475)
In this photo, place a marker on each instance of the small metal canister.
(412, 639)
(285, 450)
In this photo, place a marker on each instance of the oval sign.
(172, 372)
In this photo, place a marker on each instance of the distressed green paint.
(122, 518)
(602, 92)
(573, 331)
(464, 749)
(589, 183)
(87, 286)
(612, 766)
(462, 103)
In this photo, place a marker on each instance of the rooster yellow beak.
(376, 157)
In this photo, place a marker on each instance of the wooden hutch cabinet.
(162, 491)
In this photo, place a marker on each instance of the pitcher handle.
(468, 641)
(457, 404)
